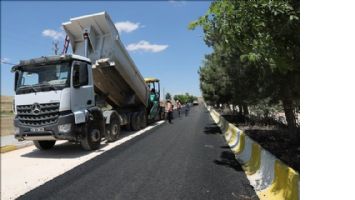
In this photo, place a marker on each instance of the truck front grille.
(38, 114)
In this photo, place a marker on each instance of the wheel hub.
(95, 135)
(115, 129)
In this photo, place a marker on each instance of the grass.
(7, 127)
(6, 113)
(6, 116)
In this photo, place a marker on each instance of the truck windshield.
(43, 78)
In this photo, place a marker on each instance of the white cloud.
(126, 26)
(177, 3)
(53, 34)
(5, 60)
(146, 46)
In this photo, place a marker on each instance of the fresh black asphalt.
(188, 159)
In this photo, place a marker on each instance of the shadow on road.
(212, 129)
(68, 149)
(64, 150)
(227, 159)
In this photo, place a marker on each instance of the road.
(188, 159)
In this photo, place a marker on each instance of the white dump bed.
(115, 74)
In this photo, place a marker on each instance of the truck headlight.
(17, 130)
(64, 128)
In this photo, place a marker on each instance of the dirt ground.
(7, 127)
(6, 118)
(275, 138)
(6, 104)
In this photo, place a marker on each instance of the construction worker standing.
(169, 110)
(178, 106)
(187, 108)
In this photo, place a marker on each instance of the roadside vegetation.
(6, 116)
(253, 72)
(168, 96)
(185, 98)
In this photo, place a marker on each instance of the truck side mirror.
(76, 76)
(16, 80)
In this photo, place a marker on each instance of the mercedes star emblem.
(36, 108)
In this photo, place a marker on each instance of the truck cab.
(52, 94)
(156, 111)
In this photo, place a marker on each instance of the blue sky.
(155, 32)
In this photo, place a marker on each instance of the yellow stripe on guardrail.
(284, 186)
(253, 164)
(241, 144)
(228, 133)
(224, 125)
(215, 116)
(233, 132)
(232, 138)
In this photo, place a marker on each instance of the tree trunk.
(240, 109)
(234, 109)
(245, 109)
(289, 113)
(230, 110)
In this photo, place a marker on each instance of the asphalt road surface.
(188, 159)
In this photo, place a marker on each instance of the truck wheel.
(143, 118)
(135, 121)
(113, 130)
(158, 117)
(44, 144)
(128, 125)
(91, 139)
(162, 115)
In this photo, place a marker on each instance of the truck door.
(82, 90)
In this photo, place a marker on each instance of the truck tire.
(143, 117)
(113, 129)
(128, 125)
(44, 144)
(135, 122)
(161, 114)
(91, 138)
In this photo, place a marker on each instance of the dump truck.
(86, 96)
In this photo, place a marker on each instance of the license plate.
(39, 129)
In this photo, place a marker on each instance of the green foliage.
(185, 98)
(255, 53)
(168, 96)
(264, 108)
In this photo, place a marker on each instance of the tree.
(168, 96)
(185, 98)
(256, 46)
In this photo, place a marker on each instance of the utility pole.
(55, 47)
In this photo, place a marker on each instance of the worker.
(178, 106)
(187, 108)
(169, 110)
(152, 91)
